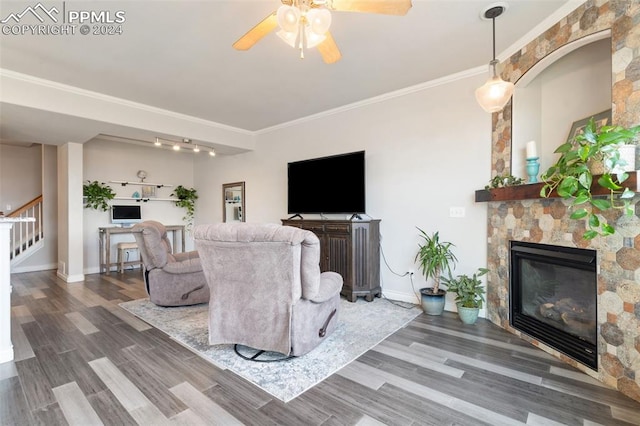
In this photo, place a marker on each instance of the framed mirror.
(233, 202)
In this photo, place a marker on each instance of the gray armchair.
(267, 291)
(171, 279)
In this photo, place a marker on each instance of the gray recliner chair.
(171, 279)
(267, 291)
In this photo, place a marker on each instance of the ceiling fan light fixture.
(313, 39)
(319, 20)
(288, 18)
(288, 37)
(495, 93)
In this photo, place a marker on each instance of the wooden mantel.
(532, 191)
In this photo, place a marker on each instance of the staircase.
(26, 238)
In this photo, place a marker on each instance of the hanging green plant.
(571, 176)
(187, 200)
(97, 195)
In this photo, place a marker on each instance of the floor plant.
(434, 257)
(469, 294)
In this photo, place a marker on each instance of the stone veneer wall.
(547, 220)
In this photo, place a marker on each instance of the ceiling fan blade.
(329, 49)
(254, 35)
(385, 7)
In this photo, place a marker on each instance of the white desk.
(105, 242)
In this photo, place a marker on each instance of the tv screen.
(333, 184)
(127, 215)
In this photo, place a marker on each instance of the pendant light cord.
(494, 37)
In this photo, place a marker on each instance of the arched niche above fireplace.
(570, 84)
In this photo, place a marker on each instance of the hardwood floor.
(81, 360)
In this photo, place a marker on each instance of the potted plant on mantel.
(469, 294)
(572, 175)
(435, 257)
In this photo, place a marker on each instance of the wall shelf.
(157, 185)
(532, 190)
(144, 200)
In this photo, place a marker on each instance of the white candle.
(531, 149)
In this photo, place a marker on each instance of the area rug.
(361, 326)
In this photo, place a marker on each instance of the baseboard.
(96, 269)
(412, 298)
(400, 296)
(6, 354)
(35, 268)
(70, 278)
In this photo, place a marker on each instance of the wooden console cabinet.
(350, 248)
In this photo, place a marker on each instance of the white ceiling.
(177, 55)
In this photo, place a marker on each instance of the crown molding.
(381, 98)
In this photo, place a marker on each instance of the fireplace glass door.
(553, 297)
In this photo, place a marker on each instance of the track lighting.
(187, 144)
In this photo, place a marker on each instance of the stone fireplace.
(546, 221)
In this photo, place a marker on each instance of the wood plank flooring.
(81, 360)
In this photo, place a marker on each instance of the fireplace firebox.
(553, 298)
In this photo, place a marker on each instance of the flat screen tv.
(334, 184)
(125, 215)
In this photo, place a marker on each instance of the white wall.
(425, 152)
(20, 175)
(47, 256)
(105, 161)
(574, 87)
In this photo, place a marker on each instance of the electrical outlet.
(410, 272)
(456, 212)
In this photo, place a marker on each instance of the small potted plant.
(573, 173)
(434, 257)
(97, 195)
(469, 294)
(186, 199)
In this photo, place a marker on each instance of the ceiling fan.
(305, 23)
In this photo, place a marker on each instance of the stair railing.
(25, 234)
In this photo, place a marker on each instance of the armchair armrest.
(183, 267)
(330, 284)
(179, 257)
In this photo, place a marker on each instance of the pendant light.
(496, 92)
